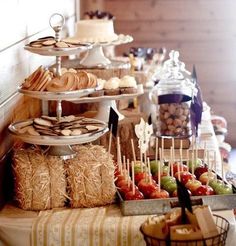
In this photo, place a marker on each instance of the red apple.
(159, 194)
(204, 190)
(186, 176)
(136, 196)
(146, 187)
(199, 171)
(126, 188)
(182, 167)
(139, 176)
(193, 184)
(207, 176)
(122, 182)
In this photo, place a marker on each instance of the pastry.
(111, 87)
(128, 85)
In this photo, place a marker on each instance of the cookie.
(61, 45)
(43, 122)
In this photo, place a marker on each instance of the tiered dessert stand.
(95, 58)
(59, 145)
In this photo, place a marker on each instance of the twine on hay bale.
(90, 177)
(39, 180)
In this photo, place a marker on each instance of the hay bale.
(39, 180)
(90, 177)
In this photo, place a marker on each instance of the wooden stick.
(156, 150)
(141, 160)
(109, 143)
(145, 165)
(149, 171)
(118, 154)
(159, 170)
(132, 145)
(188, 159)
(204, 154)
(181, 155)
(208, 163)
(128, 172)
(214, 164)
(222, 168)
(132, 170)
(162, 148)
(173, 146)
(192, 162)
(124, 167)
(172, 162)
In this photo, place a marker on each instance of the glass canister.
(173, 96)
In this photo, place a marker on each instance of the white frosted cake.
(95, 31)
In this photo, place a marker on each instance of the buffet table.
(92, 226)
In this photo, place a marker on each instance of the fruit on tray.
(169, 184)
(207, 176)
(193, 184)
(175, 194)
(204, 190)
(199, 171)
(185, 176)
(179, 167)
(137, 195)
(159, 194)
(223, 189)
(140, 176)
(147, 187)
(195, 163)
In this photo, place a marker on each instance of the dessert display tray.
(57, 140)
(66, 95)
(160, 206)
(105, 98)
(45, 51)
(122, 39)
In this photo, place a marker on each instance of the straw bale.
(90, 177)
(40, 181)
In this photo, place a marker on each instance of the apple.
(186, 176)
(206, 176)
(204, 190)
(196, 163)
(199, 171)
(136, 196)
(159, 194)
(223, 189)
(182, 167)
(146, 187)
(126, 188)
(122, 183)
(170, 186)
(154, 166)
(165, 179)
(193, 184)
(119, 178)
(139, 176)
(137, 167)
(215, 183)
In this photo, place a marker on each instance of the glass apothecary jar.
(173, 96)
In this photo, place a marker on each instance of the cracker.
(32, 131)
(66, 132)
(43, 122)
(61, 45)
(49, 42)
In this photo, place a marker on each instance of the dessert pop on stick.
(133, 151)
(132, 173)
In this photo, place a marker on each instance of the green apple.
(215, 183)
(137, 167)
(154, 166)
(195, 163)
(165, 179)
(170, 186)
(223, 189)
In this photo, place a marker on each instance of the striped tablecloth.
(93, 226)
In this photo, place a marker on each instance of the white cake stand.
(105, 102)
(95, 56)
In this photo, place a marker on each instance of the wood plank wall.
(204, 32)
(21, 21)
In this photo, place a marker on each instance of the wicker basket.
(219, 240)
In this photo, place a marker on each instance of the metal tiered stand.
(59, 145)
